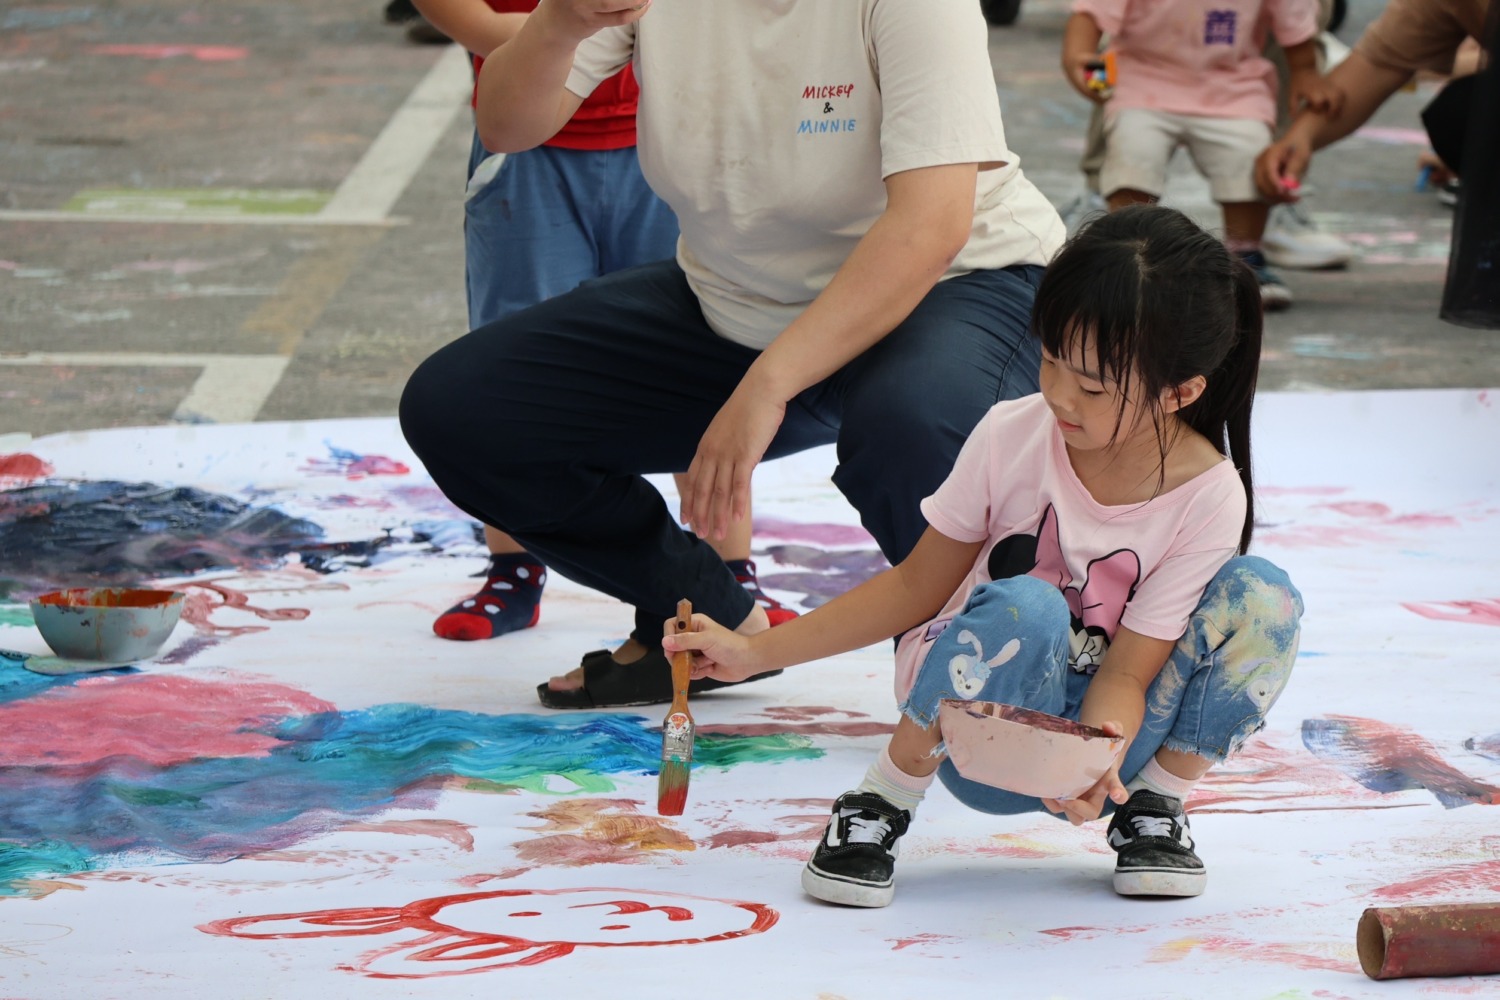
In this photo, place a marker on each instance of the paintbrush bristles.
(677, 728)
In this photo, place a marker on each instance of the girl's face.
(1086, 405)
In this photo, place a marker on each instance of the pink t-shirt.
(1199, 58)
(1142, 565)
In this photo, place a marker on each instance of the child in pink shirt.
(1191, 74)
(1083, 559)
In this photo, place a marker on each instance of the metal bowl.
(1024, 751)
(107, 624)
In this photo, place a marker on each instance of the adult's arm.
(928, 216)
(471, 23)
(522, 97)
(1366, 85)
(889, 603)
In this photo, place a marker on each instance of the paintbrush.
(677, 730)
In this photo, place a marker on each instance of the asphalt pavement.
(253, 211)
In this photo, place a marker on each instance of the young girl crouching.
(1085, 558)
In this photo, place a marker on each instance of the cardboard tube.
(1458, 939)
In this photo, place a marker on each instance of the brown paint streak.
(582, 832)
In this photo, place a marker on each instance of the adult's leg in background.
(571, 402)
(905, 407)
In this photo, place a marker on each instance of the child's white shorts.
(1139, 143)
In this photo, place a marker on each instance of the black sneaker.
(856, 860)
(1150, 833)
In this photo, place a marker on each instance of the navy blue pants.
(543, 423)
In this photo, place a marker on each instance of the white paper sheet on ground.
(308, 794)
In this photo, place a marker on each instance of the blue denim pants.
(542, 222)
(1222, 678)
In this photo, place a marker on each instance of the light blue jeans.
(551, 218)
(1222, 678)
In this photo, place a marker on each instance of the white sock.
(1158, 779)
(902, 790)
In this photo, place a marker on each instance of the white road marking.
(231, 389)
(369, 191)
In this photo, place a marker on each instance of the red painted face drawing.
(504, 929)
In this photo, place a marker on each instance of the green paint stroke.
(16, 614)
(20, 864)
(197, 201)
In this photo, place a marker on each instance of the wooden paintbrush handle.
(682, 662)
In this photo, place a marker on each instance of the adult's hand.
(717, 488)
(578, 19)
(718, 652)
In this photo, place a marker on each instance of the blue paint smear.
(17, 683)
(108, 532)
(328, 769)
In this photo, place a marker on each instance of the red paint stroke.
(1377, 751)
(795, 829)
(160, 719)
(1300, 491)
(1482, 612)
(201, 604)
(19, 468)
(482, 931)
(458, 834)
(1073, 933)
(202, 53)
(1260, 952)
(797, 713)
(907, 942)
(354, 466)
(1358, 508)
(1477, 877)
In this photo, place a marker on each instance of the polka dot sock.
(744, 572)
(510, 600)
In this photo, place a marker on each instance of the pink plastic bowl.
(1031, 753)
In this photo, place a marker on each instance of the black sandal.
(647, 681)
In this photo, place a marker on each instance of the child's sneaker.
(1274, 295)
(1292, 239)
(1150, 834)
(855, 861)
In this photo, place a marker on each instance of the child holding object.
(1193, 75)
(1084, 559)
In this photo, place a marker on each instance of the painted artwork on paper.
(308, 789)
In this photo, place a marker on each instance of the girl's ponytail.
(1222, 413)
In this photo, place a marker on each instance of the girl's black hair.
(1163, 301)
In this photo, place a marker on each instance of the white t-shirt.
(769, 128)
(1141, 565)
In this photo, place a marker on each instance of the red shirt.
(606, 119)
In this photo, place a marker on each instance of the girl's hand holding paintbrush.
(718, 652)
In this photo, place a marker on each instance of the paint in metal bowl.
(107, 624)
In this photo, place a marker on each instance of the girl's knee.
(1255, 585)
(1021, 601)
